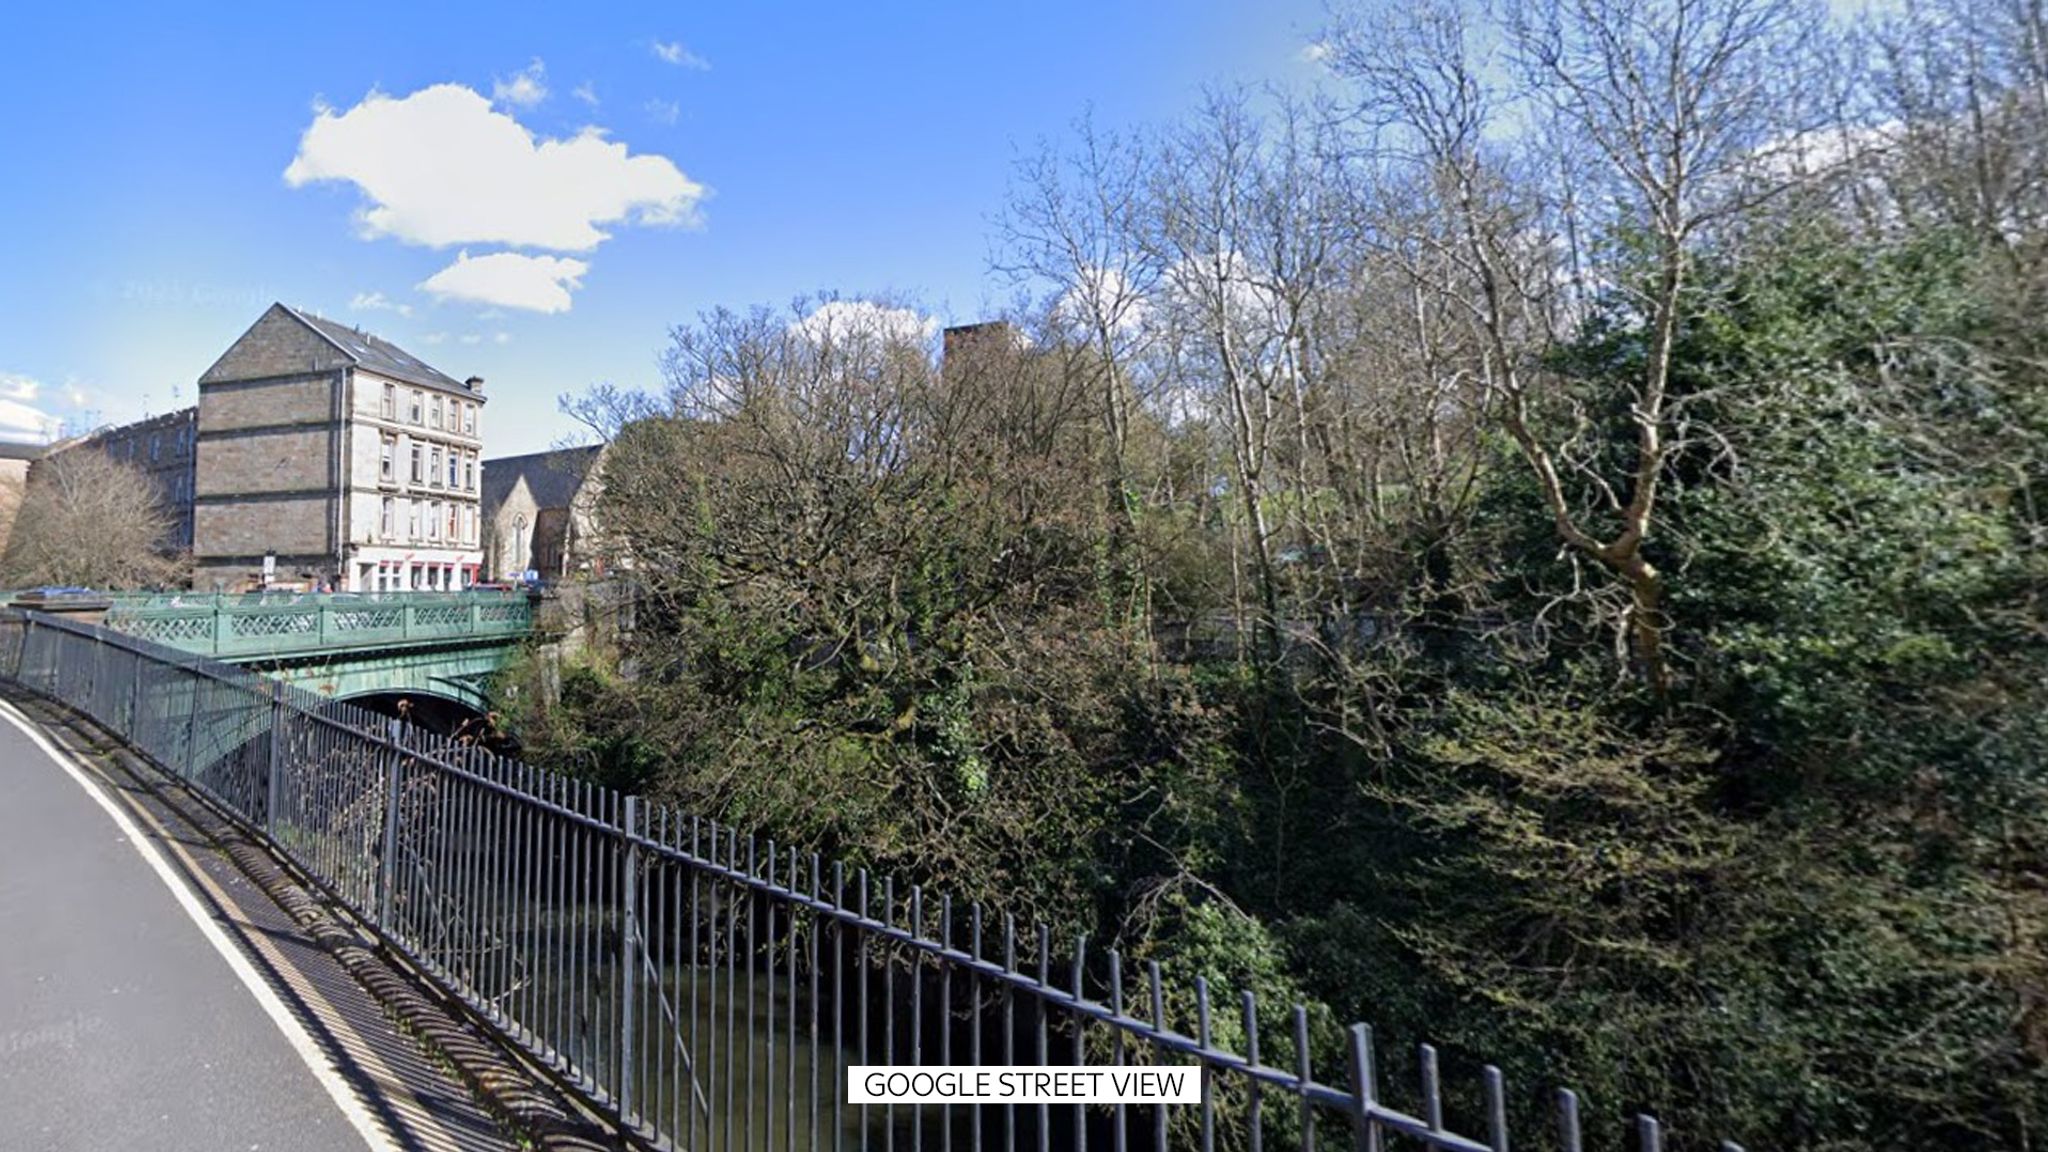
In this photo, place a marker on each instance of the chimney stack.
(474, 383)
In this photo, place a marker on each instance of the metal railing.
(230, 627)
(708, 990)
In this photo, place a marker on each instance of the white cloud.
(510, 280)
(1823, 150)
(471, 338)
(20, 421)
(501, 337)
(377, 302)
(442, 167)
(1104, 294)
(434, 338)
(1254, 309)
(665, 111)
(586, 92)
(840, 321)
(526, 89)
(19, 418)
(676, 53)
(14, 386)
(1315, 52)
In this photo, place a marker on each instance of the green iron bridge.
(437, 650)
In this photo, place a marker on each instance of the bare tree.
(1647, 123)
(1073, 225)
(90, 520)
(1230, 338)
(11, 492)
(1955, 122)
(602, 411)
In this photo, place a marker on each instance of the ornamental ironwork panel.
(512, 612)
(441, 615)
(366, 619)
(282, 623)
(176, 631)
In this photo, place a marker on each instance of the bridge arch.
(460, 676)
(441, 713)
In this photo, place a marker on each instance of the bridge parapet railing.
(709, 990)
(240, 626)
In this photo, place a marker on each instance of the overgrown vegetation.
(1559, 575)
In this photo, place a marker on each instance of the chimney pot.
(474, 383)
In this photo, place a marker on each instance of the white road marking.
(316, 1061)
(396, 1094)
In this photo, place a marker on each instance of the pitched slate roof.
(552, 477)
(378, 354)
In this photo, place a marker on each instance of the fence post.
(1365, 1129)
(134, 732)
(28, 624)
(275, 778)
(386, 870)
(191, 765)
(91, 702)
(629, 954)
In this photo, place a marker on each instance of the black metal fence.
(708, 990)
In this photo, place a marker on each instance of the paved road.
(121, 1026)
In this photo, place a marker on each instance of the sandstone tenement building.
(163, 447)
(330, 455)
(339, 454)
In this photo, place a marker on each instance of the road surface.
(122, 1023)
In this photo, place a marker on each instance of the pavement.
(151, 998)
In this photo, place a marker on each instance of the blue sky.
(749, 153)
